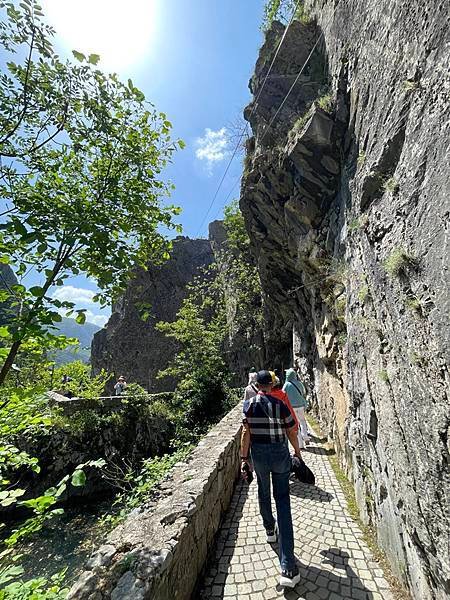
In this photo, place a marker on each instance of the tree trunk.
(9, 360)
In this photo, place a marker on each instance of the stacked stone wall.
(160, 550)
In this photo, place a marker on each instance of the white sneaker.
(272, 535)
(290, 578)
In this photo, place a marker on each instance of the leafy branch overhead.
(80, 177)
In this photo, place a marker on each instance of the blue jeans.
(274, 459)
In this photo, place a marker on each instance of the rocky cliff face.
(346, 203)
(7, 279)
(131, 347)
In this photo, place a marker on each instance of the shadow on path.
(303, 490)
(338, 584)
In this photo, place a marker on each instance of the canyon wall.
(133, 347)
(345, 197)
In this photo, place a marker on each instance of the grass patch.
(363, 293)
(391, 185)
(369, 533)
(358, 223)
(383, 375)
(398, 261)
(410, 86)
(414, 305)
(342, 339)
(325, 102)
(361, 158)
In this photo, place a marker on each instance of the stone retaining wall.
(160, 550)
(70, 406)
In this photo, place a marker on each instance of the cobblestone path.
(334, 561)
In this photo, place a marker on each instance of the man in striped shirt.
(267, 425)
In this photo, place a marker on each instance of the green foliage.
(13, 587)
(383, 375)
(80, 382)
(301, 122)
(42, 506)
(391, 185)
(358, 223)
(363, 293)
(410, 86)
(23, 412)
(81, 156)
(203, 326)
(137, 486)
(398, 261)
(361, 158)
(325, 102)
(282, 10)
(414, 305)
(342, 339)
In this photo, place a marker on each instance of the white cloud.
(74, 294)
(99, 320)
(82, 298)
(212, 147)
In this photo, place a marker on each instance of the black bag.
(302, 471)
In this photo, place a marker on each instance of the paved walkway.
(334, 561)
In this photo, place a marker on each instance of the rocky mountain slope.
(346, 203)
(132, 347)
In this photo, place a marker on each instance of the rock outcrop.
(130, 346)
(345, 199)
(7, 279)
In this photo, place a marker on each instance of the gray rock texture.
(131, 347)
(346, 204)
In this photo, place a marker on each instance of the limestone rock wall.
(346, 203)
(158, 552)
(132, 347)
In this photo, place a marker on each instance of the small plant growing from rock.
(410, 86)
(415, 305)
(398, 261)
(358, 223)
(363, 293)
(383, 375)
(361, 158)
(391, 185)
(325, 102)
(340, 306)
(342, 339)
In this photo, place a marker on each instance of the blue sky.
(193, 60)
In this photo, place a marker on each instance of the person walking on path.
(281, 395)
(251, 390)
(120, 386)
(267, 425)
(296, 392)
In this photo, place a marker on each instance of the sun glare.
(120, 32)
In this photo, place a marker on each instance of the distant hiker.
(267, 425)
(120, 386)
(296, 392)
(251, 390)
(281, 395)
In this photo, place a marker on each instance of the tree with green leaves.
(80, 178)
(222, 303)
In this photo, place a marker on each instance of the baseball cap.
(264, 377)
